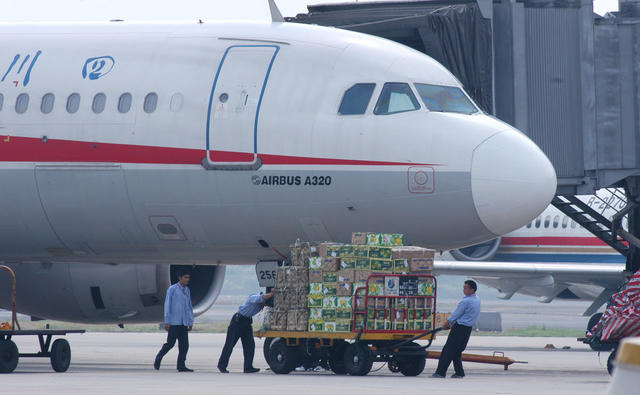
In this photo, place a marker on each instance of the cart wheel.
(266, 346)
(8, 356)
(392, 364)
(358, 359)
(60, 355)
(611, 361)
(411, 365)
(282, 358)
(336, 357)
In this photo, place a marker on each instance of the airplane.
(129, 150)
(551, 257)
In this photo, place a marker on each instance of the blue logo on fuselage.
(97, 67)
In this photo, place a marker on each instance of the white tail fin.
(276, 16)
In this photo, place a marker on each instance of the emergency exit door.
(234, 106)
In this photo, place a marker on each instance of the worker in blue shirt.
(178, 321)
(461, 321)
(240, 328)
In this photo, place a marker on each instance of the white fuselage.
(126, 184)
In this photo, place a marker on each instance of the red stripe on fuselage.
(554, 241)
(28, 149)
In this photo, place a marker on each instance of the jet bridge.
(563, 75)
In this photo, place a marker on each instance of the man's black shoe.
(156, 364)
(185, 369)
(252, 370)
(456, 376)
(222, 370)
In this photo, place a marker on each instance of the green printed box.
(344, 314)
(329, 302)
(401, 266)
(400, 326)
(330, 326)
(329, 289)
(373, 239)
(343, 326)
(344, 302)
(391, 239)
(363, 264)
(381, 265)
(330, 277)
(315, 263)
(328, 314)
(315, 301)
(346, 250)
(316, 326)
(380, 252)
(371, 325)
(315, 288)
(361, 251)
(348, 263)
(425, 288)
(334, 251)
(376, 289)
(315, 314)
(357, 285)
(382, 325)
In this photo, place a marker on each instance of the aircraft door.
(234, 107)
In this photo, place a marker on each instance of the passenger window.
(573, 224)
(73, 103)
(356, 99)
(396, 97)
(150, 103)
(556, 221)
(124, 103)
(565, 222)
(529, 225)
(547, 221)
(538, 220)
(1, 101)
(47, 103)
(445, 99)
(99, 102)
(22, 103)
(177, 101)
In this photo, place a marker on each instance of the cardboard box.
(347, 263)
(376, 289)
(360, 251)
(315, 289)
(297, 320)
(329, 289)
(330, 264)
(279, 298)
(278, 320)
(296, 276)
(380, 252)
(359, 238)
(344, 302)
(382, 265)
(410, 252)
(315, 276)
(363, 264)
(346, 250)
(281, 277)
(329, 302)
(346, 276)
(328, 249)
(300, 253)
(383, 325)
(343, 325)
(373, 239)
(359, 284)
(302, 295)
(330, 277)
(328, 314)
(330, 326)
(362, 275)
(316, 327)
(315, 314)
(315, 263)
(315, 301)
(422, 265)
(401, 266)
(344, 314)
(391, 239)
(344, 289)
(425, 288)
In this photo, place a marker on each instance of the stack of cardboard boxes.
(333, 274)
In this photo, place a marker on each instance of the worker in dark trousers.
(461, 321)
(178, 321)
(240, 328)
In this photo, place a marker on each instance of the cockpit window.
(396, 97)
(356, 99)
(445, 99)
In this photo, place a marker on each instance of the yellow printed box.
(330, 289)
(347, 263)
(315, 301)
(315, 288)
(316, 326)
(382, 265)
(344, 302)
(329, 302)
(315, 263)
(380, 252)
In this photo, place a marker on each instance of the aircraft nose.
(512, 181)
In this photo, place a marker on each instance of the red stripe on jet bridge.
(29, 149)
(555, 241)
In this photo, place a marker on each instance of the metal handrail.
(14, 307)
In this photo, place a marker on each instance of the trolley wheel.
(611, 361)
(596, 344)
(8, 356)
(336, 357)
(266, 346)
(282, 358)
(60, 355)
(358, 359)
(392, 364)
(411, 365)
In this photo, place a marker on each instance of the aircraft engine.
(478, 252)
(105, 293)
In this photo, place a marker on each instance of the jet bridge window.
(396, 97)
(356, 99)
(445, 99)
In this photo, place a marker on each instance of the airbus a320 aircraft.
(127, 150)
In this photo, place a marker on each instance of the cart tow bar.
(14, 307)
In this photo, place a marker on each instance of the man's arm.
(457, 313)
(268, 296)
(167, 308)
(190, 309)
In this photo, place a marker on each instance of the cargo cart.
(59, 352)
(386, 325)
